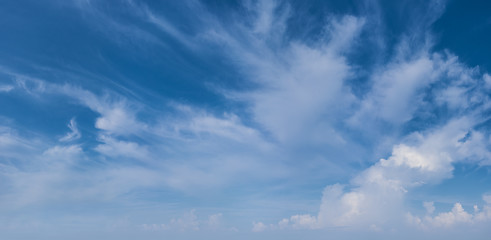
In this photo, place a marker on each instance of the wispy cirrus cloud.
(6, 88)
(74, 134)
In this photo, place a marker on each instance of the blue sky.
(245, 119)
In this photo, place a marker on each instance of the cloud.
(188, 222)
(6, 88)
(429, 206)
(186, 145)
(456, 216)
(194, 122)
(487, 80)
(44, 179)
(12, 145)
(117, 116)
(215, 220)
(396, 92)
(168, 28)
(375, 197)
(298, 84)
(127, 35)
(258, 227)
(265, 16)
(122, 149)
(74, 134)
(64, 153)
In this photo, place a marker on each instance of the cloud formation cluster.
(419, 112)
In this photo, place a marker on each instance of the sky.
(253, 119)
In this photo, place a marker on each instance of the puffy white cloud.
(456, 216)
(283, 223)
(258, 227)
(375, 197)
(302, 221)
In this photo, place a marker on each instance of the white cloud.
(455, 217)
(202, 124)
(375, 197)
(65, 153)
(115, 120)
(396, 92)
(429, 206)
(6, 88)
(302, 97)
(283, 223)
(129, 35)
(10, 139)
(265, 16)
(168, 28)
(299, 85)
(74, 134)
(258, 227)
(117, 116)
(215, 220)
(302, 221)
(186, 146)
(122, 149)
(188, 222)
(487, 80)
(230, 127)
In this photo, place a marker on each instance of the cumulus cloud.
(456, 216)
(375, 197)
(258, 227)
